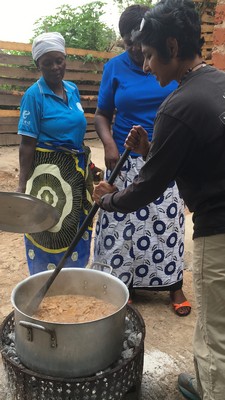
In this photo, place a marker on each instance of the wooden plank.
(15, 46)
(70, 51)
(20, 93)
(11, 92)
(14, 139)
(206, 28)
(12, 116)
(207, 46)
(25, 84)
(9, 113)
(10, 100)
(27, 61)
(208, 37)
(8, 128)
(9, 120)
(78, 65)
(18, 73)
(91, 135)
(88, 97)
(9, 139)
(16, 59)
(88, 88)
(33, 75)
(82, 76)
(207, 18)
(88, 103)
(15, 82)
(16, 113)
(13, 128)
(90, 127)
(13, 100)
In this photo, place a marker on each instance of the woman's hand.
(111, 156)
(101, 189)
(137, 140)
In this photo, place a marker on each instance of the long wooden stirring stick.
(38, 297)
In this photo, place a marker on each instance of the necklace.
(61, 92)
(192, 69)
(64, 96)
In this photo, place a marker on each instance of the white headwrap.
(48, 41)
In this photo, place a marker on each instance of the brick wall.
(218, 54)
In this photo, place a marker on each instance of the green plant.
(122, 4)
(81, 26)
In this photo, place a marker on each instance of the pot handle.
(101, 267)
(30, 326)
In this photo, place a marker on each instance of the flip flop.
(178, 306)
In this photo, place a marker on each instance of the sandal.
(179, 308)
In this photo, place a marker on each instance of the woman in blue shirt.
(145, 248)
(53, 160)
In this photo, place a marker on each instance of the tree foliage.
(122, 4)
(81, 26)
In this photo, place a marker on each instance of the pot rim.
(87, 270)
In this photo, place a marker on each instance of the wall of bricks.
(218, 53)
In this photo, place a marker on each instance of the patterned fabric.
(60, 178)
(145, 248)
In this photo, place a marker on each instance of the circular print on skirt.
(58, 180)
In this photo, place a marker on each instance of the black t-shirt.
(188, 146)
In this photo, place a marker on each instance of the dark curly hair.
(176, 19)
(131, 17)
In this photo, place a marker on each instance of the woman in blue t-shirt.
(145, 248)
(53, 160)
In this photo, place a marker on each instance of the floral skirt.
(145, 248)
(60, 179)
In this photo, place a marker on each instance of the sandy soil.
(168, 342)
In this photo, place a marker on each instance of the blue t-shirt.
(45, 116)
(134, 95)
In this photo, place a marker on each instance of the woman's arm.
(103, 121)
(26, 158)
(137, 140)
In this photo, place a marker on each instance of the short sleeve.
(30, 116)
(107, 89)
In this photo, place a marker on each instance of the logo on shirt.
(26, 114)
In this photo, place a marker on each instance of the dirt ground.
(168, 342)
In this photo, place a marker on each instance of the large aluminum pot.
(70, 350)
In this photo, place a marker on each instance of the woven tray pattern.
(114, 384)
